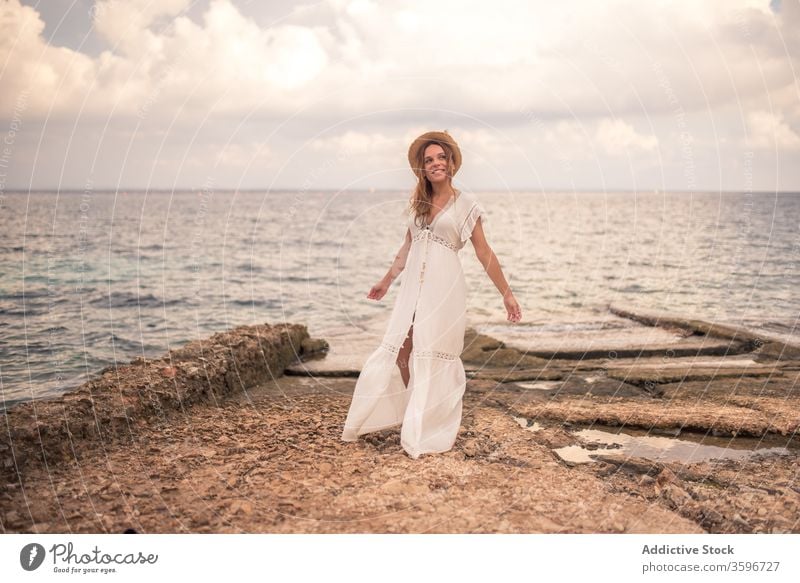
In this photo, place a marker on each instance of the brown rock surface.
(109, 407)
(273, 462)
(268, 458)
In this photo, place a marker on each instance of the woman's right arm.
(380, 288)
(399, 263)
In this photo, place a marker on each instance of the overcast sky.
(630, 94)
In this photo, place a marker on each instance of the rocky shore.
(240, 433)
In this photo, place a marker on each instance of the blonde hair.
(420, 204)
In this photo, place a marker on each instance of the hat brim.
(444, 137)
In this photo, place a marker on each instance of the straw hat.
(439, 137)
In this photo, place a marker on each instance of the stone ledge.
(764, 345)
(111, 407)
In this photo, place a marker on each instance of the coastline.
(231, 444)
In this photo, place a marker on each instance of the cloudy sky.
(623, 94)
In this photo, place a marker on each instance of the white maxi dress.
(432, 297)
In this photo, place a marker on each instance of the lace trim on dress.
(476, 212)
(390, 348)
(435, 238)
(394, 350)
(435, 354)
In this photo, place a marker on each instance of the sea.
(90, 279)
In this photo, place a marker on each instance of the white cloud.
(43, 75)
(245, 155)
(580, 58)
(568, 134)
(354, 142)
(125, 23)
(224, 64)
(618, 137)
(768, 130)
(583, 78)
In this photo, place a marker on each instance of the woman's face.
(435, 163)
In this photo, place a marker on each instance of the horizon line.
(381, 189)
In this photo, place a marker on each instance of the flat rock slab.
(735, 360)
(780, 389)
(617, 340)
(723, 407)
(689, 371)
(769, 346)
(585, 385)
(504, 375)
(347, 353)
(520, 347)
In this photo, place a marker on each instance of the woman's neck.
(443, 191)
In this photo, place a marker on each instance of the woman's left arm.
(492, 267)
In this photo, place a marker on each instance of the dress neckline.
(456, 193)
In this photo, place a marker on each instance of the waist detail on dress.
(429, 234)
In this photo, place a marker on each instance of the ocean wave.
(257, 303)
(635, 288)
(133, 300)
(250, 268)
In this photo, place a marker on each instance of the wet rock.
(473, 341)
(771, 351)
(630, 464)
(484, 351)
(313, 347)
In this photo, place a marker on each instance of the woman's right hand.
(512, 307)
(378, 290)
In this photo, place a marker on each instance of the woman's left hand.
(512, 308)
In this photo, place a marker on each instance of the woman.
(416, 377)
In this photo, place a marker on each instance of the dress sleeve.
(476, 212)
